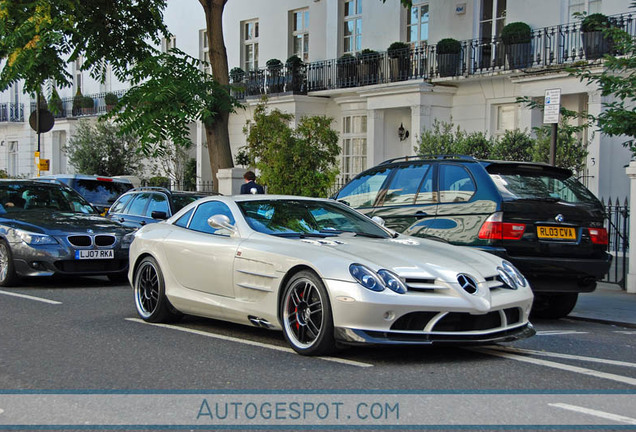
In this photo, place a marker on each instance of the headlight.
(392, 281)
(506, 278)
(366, 277)
(515, 274)
(127, 240)
(33, 239)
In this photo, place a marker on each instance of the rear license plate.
(95, 254)
(560, 233)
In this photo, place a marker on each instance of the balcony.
(12, 112)
(550, 48)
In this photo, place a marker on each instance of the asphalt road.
(84, 334)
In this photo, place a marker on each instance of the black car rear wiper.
(544, 199)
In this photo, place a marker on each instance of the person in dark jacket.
(250, 186)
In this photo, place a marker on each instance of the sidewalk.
(609, 304)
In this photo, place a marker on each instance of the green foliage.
(595, 22)
(274, 64)
(514, 145)
(168, 93)
(445, 138)
(88, 102)
(346, 59)
(449, 46)
(39, 37)
(299, 161)
(293, 62)
(516, 33)
(78, 100)
(190, 175)
(100, 149)
(55, 102)
(237, 74)
(3, 174)
(159, 181)
(111, 99)
(570, 152)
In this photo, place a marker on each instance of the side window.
(204, 211)
(137, 206)
(157, 202)
(426, 193)
(405, 185)
(362, 191)
(455, 184)
(183, 220)
(119, 205)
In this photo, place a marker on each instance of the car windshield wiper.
(366, 234)
(302, 235)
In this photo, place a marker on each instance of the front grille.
(463, 322)
(91, 266)
(421, 284)
(104, 240)
(80, 240)
(414, 321)
(513, 315)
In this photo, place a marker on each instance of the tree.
(445, 138)
(514, 145)
(299, 161)
(617, 79)
(102, 149)
(571, 151)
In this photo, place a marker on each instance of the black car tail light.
(598, 235)
(495, 229)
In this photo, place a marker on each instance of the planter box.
(595, 44)
(519, 56)
(399, 68)
(449, 64)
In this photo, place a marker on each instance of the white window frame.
(77, 74)
(204, 51)
(249, 40)
(505, 118)
(496, 23)
(353, 159)
(168, 43)
(417, 23)
(353, 40)
(13, 158)
(583, 6)
(300, 33)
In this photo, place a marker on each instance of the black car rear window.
(540, 185)
(99, 191)
(180, 201)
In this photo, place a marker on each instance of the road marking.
(555, 365)
(595, 413)
(43, 300)
(559, 332)
(247, 342)
(563, 356)
(627, 332)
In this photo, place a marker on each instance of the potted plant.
(110, 99)
(237, 74)
(56, 106)
(369, 66)
(399, 54)
(88, 105)
(448, 57)
(274, 75)
(295, 74)
(77, 102)
(346, 67)
(517, 41)
(595, 42)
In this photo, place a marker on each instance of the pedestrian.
(250, 186)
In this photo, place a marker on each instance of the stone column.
(230, 180)
(631, 275)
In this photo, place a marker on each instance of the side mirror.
(221, 221)
(160, 215)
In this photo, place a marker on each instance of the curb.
(603, 321)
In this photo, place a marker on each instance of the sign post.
(551, 109)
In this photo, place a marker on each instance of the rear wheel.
(553, 306)
(306, 314)
(150, 295)
(7, 270)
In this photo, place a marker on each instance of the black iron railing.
(617, 224)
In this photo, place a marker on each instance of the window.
(250, 45)
(406, 184)
(13, 158)
(139, 204)
(354, 146)
(119, 206)
(183, 220)
(352, 26)
(77, 73)
(455, 184)
(158, 202)
(363, 191)
(505, 118)
(493, 18)
(204, 52)
(583, 6)
(300, 34)
(168, 43)
(417, 24)
(204, 212)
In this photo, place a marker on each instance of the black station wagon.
(539, 217)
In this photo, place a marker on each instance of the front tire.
(150, 293)
(306, 315)
(553, 306)
(8, 276)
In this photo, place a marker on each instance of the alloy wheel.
(303, 316)
(147, 289)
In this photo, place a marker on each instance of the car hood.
(59, 223)
(411, 256)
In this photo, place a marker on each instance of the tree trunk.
(217, 136)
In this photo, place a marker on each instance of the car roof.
(167, 191)
(84, 177)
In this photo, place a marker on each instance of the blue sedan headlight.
(392, 281)
(366, 277)
(33, 239)
(127, 240)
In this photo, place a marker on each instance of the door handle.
(142, 223)
(420, 214)
(122, 220)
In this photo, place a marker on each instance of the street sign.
(44, 164)
(552, 105)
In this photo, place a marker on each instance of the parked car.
(48, 228)
(100, 191)
(143, 205)
(323, 273)
(536, 216)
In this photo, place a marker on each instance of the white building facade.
(371, 96)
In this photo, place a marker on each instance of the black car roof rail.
(428, 157)
(150, 188)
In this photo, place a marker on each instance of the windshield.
(100, 191)
(38, 197)
(541, 186)
(307, 218)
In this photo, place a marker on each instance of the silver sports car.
(324, 274)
